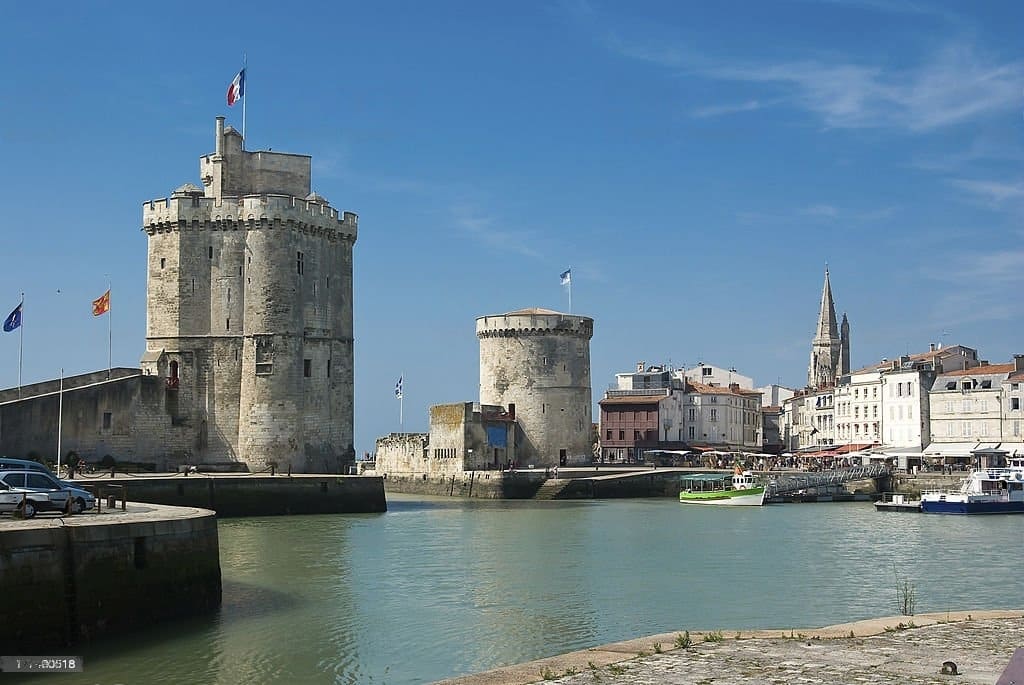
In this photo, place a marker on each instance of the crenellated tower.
(249, 311)
(539, 361)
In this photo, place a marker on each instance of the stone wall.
(469, 484)
(142, 425)
(404, 453)
(67, 584)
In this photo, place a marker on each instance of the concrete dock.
(69, 579)
(248, 494)
(903, 649)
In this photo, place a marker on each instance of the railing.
(793, 483)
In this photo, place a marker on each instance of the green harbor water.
(439, 587)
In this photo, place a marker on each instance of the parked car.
(22, 501)
(36, 481)
(84, 499)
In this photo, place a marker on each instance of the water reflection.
(438, 587)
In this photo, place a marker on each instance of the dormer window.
(951, 385)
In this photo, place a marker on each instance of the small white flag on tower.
(398, 389)
(566, 277)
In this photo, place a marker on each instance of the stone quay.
(967, 648)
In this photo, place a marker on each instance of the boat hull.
(750, 497)
(994, 507)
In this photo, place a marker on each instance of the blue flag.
(13, 319)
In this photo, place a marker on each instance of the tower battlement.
(184, 211)
(534, 322)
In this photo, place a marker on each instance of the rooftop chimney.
(640, 367)
(219, 143)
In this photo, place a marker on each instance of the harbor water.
(441, 587)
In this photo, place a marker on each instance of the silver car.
(58, 495)
(84, 499)
(21, 501)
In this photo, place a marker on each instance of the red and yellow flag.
(101, 305)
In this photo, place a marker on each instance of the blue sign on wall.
(497, 436)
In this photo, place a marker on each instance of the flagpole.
(570, 289)
(21, 341)
(110, 334)
(245, 95)
(401, 401)
(60, 415)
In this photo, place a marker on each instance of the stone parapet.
(530, 324)
(249, 212)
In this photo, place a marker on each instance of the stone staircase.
(551, 488)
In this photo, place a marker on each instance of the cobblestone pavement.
(906, 650)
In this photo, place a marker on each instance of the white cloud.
(825, 211)
(955, 85)
(485, 230)
(719, 110)
(994, 193)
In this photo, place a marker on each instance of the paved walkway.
(907, 650)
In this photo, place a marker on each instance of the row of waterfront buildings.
(942, 405)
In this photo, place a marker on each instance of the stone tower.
(249, 311)
(827, 348)
(539, 361)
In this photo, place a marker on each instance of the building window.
(307, 367)
(227, 324)
(163, 262)
(300, 262)
(608, 435)
(328, 368)
(107, 420)
(211, 251)
(637, 435)
(622, 435)
(693, 432)
(714, 414)
(1014, 403)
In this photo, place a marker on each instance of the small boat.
(897, 501)
(986, 491)
(744, 490)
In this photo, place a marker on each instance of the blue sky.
(696, 164)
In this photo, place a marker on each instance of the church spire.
(827, 326)
(826, 348)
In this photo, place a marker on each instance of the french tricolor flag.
(237, 88)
